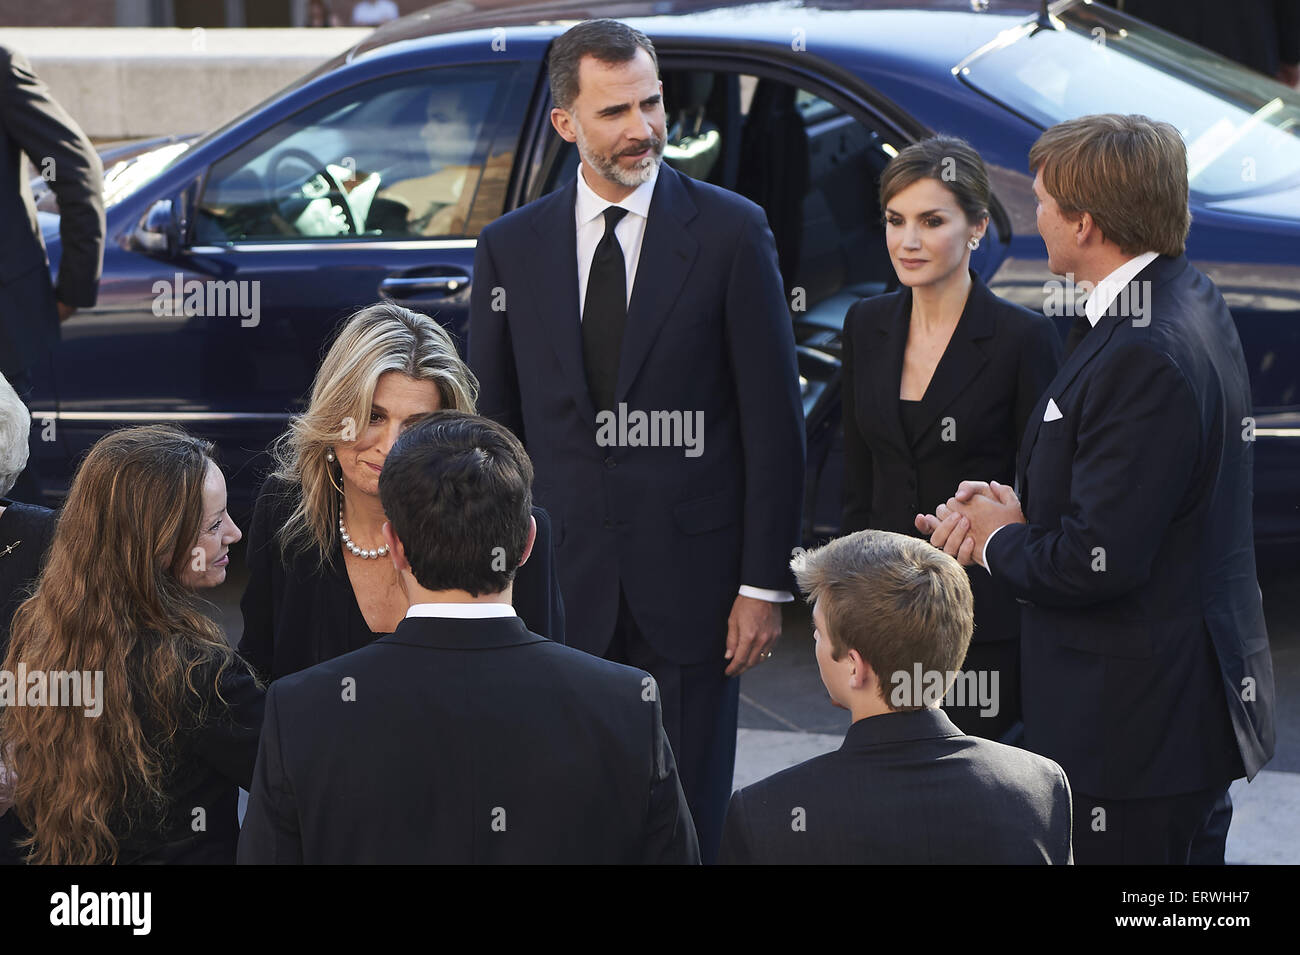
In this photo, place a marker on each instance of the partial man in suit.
(631, 328)
(893, 619)
(31, 307)
(1145, 661)
(1261, 34)
(462, 737)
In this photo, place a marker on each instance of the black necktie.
(1080, 328)
(604, 313)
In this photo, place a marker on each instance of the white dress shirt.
(1094, 308)
(589, 216)
(474, 611)
(589, 212)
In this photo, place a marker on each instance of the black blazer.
(210, 761)
(906, 789)
(297, 614)
(466, 741)
(1145, 662)
(25, 534)
(32, 123)
(997, 363)
(708, 335)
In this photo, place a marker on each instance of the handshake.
(962, 526)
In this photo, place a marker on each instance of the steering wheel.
(315, 168)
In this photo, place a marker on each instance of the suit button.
(609, 525)
(611, 463)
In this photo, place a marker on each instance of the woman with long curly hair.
(320, 582)
(148, 772)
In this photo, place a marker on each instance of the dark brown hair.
(947, 160)
(609, 41)
(456, 491)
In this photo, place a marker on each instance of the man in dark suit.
(31, 308)
(1261, 34)
(462, 737)
(632, 330)
(1146, 669)
(893, 621)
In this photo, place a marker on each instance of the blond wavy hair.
(379, 338)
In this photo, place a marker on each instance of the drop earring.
(329, 471)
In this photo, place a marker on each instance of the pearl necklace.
(372, 554)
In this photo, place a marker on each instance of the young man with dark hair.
(462, 737)
(893, 622)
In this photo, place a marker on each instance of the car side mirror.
(157, 232)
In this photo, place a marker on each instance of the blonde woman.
(320, 581)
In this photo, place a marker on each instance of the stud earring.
(329, 455)
(973, 244)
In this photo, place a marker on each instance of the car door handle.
(408, 286)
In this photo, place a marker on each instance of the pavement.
(786, 716)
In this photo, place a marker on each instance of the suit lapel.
(885, 362)
(553, 269)
(667, 253)
(965, 356)
(1087, 349)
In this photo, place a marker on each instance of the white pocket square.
(1052, 413)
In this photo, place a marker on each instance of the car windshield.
(126, 176)
(1242, 129)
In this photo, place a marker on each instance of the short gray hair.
(15, 428)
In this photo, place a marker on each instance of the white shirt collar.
(1108, 289)
(462, 611)
(589, 205)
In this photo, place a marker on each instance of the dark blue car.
(230, 258)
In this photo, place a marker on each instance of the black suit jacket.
(997, 364)
(25, 534)
(297, 614)
(708, 332)
(32, 123)
(1258, 33)
(1145, 662)
(905, 789)
(466, 741)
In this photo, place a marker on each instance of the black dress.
(25, 534)
(902, 458)
(208, 762)
(298, 614)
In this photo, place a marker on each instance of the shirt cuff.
(984, 554)
(771, 596)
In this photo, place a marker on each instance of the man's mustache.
(654, 144)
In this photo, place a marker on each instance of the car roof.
(952, 29)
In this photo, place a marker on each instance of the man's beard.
(608, 166)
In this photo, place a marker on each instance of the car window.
(401, 157)
(1242, 130)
